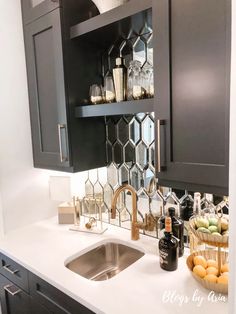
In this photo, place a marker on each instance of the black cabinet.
(47, 91)
(33, 9)
(13, 299)
(26, 293)
(53, 299)
(192, 67)
(59, 140)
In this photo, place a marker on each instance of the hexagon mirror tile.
(131, 157)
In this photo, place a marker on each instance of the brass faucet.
(149, 223)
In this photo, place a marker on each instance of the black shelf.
(115, 15)
(125, 107)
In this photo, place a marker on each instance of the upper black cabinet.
(33, 9)
(60, 141)
(192, 70)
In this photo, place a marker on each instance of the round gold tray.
(213, 240)
(209, 254)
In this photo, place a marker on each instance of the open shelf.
(115, 15)
(125, 107)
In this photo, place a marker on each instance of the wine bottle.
(168, 248)
(177, 229)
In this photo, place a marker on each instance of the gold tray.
(213, 240)
(209, 254)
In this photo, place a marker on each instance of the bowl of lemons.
(209, 271)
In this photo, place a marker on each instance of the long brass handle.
(160, 166)
(61, 126)
(7, 288)
(6, 267)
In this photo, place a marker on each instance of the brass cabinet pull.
(160, 163)
(7, 288)
(6, 267)
(61, 126)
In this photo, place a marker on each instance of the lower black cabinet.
(42, 298)
(13, 299)
(53, 299)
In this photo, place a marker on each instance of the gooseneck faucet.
(149, 223)
(134, 227)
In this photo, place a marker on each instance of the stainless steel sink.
(105, 261)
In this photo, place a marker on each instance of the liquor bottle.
(168, 248)
(186, 213)
(120, 78)
(194, 242)
(177, 229)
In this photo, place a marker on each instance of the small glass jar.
(135, 80)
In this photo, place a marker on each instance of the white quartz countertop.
(142, 288)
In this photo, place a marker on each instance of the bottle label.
(163, 257)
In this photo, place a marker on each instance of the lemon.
(211, 278)
(200, 260)
(200, 271)
(212, 270)
(223, 279)
(225, 268)
(211, 263)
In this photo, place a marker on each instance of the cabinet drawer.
(53, 299)
(13, 299)
(14, 272)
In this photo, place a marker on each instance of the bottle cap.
(168, 224)
(171, 211)
(119, 61)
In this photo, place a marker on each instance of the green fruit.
(224, 224)
(213, 229)
(216, 233)
(213, 221)
(204, 230)
(202, 222)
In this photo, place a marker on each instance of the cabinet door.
(13, 299)
(53, 299)
(33, 9)
(44, 58)
(192, 62)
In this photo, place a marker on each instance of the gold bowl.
(209, 254)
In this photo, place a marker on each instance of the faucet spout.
(134, 223)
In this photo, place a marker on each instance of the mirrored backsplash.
(131, 159)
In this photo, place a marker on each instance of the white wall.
(24, 190)
(232, 171)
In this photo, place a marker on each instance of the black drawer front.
(14, 272)
(13, 299)
(53, 299)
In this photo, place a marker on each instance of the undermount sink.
(105, 261)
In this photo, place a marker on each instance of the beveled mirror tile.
(112, 175)
(142, 155)
(123, 174)
(89, 189)
(148, 130)
(139, 50)
(111, 131)
(134, 131)
(152, 155)
(118, 153)
(136, 177)
(140, 116)
(129, 152)
(148, 174)
(126, 51)
(150, 49)
(123, 131)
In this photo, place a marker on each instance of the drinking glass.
(95, 94)
(109, 89)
